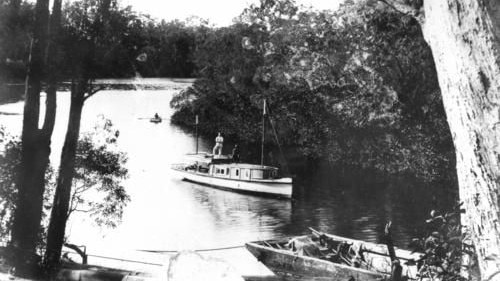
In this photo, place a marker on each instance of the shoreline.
(14, 92)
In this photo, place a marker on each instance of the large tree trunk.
(35, 154)
(464, 36)
(80, 91)
(52, 65)
(62, 197)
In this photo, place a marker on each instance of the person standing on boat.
(236, 153)
(218, 144)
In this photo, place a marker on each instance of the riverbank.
(10, 93)
(14, 91)
(180, 266)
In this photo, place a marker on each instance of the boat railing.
(179, 166)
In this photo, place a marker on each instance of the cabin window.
(245, 174)
(237, 172)
(227, 171)
(222, 171)
(257, 174)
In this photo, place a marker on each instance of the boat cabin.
(223, 167)
(243, 171)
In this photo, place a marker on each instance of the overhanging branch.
(93, 92)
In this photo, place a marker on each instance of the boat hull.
(377, 263)
(277, 188)
(286, 264)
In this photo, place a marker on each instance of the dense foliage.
(132, 44)
(356, 86)
(10, 159)
(100, 170)
(443, 247)
(16, 19)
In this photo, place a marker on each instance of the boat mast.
(263, 130)
(196, 122)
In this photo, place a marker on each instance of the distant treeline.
(136, 45)
(356, 86)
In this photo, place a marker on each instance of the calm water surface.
(166, 214)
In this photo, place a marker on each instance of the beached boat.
(221, 171)
(329, 257)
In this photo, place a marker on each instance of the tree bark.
(80, 91)
(52, 64)
(464, 36)
(62, 197)
(34, 156)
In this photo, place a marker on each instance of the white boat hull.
(278, 187)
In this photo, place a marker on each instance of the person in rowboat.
(218, 144)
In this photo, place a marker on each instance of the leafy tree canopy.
(97, 187)
(354, 86)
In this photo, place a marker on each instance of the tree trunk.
(52, 65)
(464, 36)
(34, 156)
(465, 42)
(62, 197)
(80, 91)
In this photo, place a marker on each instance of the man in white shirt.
(218, 144)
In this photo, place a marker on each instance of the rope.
(198, 250)
(149, 251)
(126, 260)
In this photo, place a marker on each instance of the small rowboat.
(328, 257)
(155, 120)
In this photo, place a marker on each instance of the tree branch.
(82, 211)
(81, 189)
(406, 8)
(93, 92)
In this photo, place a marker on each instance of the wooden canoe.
(327, 264)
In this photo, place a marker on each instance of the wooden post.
(82, 253)
(196, 123)
(396, 269)
(263, 131)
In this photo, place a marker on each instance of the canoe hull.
(277, 188)
(285, 264)
(376, 266)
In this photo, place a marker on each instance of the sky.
(218, 12)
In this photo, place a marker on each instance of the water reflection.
(168, 214)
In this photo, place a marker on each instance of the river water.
(166, 214)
